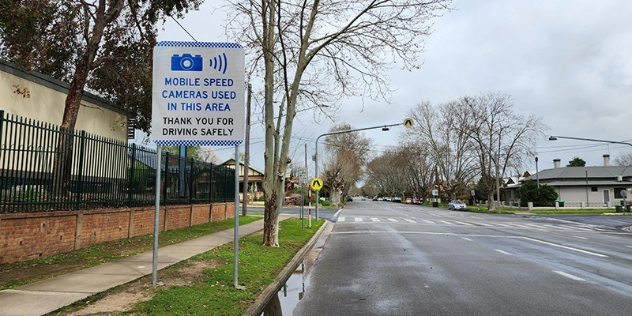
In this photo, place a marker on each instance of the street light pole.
(537, 176)
(590, 140)
(383, 127)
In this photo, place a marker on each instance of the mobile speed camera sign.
(198, 94)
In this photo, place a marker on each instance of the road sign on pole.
(316, 184)
(408, 122)
(198, 99)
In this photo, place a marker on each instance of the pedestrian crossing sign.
(316, 184)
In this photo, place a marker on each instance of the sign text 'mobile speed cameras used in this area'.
(198, 94)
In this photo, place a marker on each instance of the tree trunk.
(63, 160)
(269, 220)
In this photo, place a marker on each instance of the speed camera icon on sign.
(186, 62)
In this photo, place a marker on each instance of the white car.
(457, 205)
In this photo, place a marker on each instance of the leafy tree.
(529, 192)
(102, 46)
(192, 151)
(576, 162)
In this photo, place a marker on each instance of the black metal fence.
(103, 172)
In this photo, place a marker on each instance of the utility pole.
(307, 175)
(244, 210)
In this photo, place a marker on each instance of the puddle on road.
(286, 299)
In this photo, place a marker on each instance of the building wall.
(43, 98)
(578, 194)
(25, 236)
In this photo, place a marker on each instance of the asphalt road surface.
(385, 258)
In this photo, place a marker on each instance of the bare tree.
(502, 138)
(439, 130)
(387, 173)
(417, 163)
(624, 160)
(348, 153)
(317, 52)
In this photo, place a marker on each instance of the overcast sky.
(568, 62)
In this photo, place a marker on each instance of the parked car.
(416, 201)
(349, 199)
(375, 198)
(457, 205)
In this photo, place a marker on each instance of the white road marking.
(466, 238)
(566, 247)
(446, 222)
(393, 220)
(429, 222)
(463, 223)
(409, 220)
(341, 219)
(374, 219)
(503, 252)
(580, 237)
(570, 276)
(358, 219)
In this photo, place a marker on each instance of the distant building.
(593, 186)
(255, 180)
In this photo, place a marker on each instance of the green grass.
(29, 271)
(483, 209)
(214, 294)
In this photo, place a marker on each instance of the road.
(385, 258)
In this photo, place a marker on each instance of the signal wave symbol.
(220, 63)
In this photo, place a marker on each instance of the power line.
(183, 28)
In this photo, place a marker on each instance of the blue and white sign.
(198, 94)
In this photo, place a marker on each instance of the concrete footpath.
(49, 295)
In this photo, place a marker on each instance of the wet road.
(386, 258)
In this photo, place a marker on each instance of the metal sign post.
(198, 99)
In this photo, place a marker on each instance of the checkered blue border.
(199, 44)
(198, 142)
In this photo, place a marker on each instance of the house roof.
(231, 162)
(582, 173)
(589, 183)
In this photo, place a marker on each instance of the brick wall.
(25, 236)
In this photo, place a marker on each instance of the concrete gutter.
(260, 303)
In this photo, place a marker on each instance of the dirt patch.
(141, 290)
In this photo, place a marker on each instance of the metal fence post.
(166, 179)
(2, 155)
(191, 182)
(82, 144)
(130, 180)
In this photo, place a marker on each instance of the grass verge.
(20, 273)
(214, 294)
(211, 291)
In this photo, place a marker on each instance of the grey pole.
(154, 266)
(537, 176)
(236, 237)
